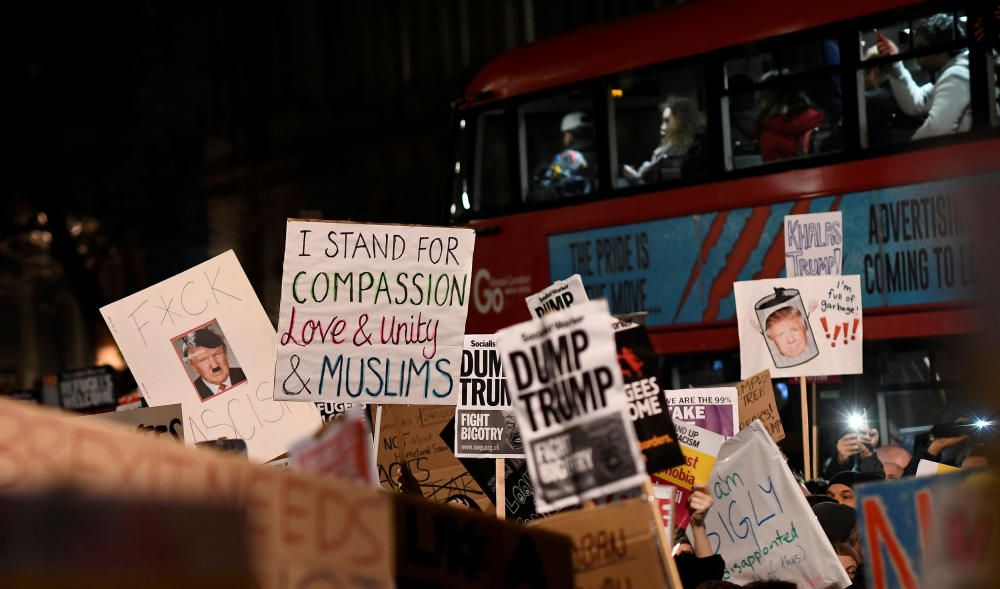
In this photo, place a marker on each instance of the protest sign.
(761, 523)
(87, 389)
(647, 405)
(60, 540)
(412, 434)
(809, 326)
(714, 409)
(700, 447)
(166, 420)
(203, 340)
(814, 244)
(757, 402)
(929, 468)
(443, 547)
(343, 449)
(928, 532)
(328, 411)
(485, 426)
(567, 389)
(299, 528)
(613, 545)
(372, 313)
(561, 294)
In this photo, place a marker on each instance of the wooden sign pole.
(815, 434)
(806, 434)
(666, 545)
(501, 489)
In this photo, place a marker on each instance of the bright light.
(857, 422)
(907, 31)
(458, 167)
(617, 93)
(461, 124)
(982, 423)
(453, 208)
(465, 200)
(963, 18)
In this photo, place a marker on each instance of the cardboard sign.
(413, 435)
(443, 547)
(165, 421)
(60, 540)
(757, 402)
(342, 450)
(814, 244)
(700, 447)
(203, 340)
(300, 528)
(372, 313)
(929, 468)
(761, 523)
(485, 426)
(613, 545)
(562, 371)
(940, 532)
(88, 388)
(561, 294)
(647, 404)
(714, 409)
(807, 326)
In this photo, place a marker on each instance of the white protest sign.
(810, 326)
(715, 409)
(561, 294)
(814, 244)
(372, 313)
(166, 420)
(485, 426)
(343, 450)
(571, 406)
(929, 468)
(761, 523)
(202, 339)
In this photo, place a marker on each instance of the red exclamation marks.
(845, 333)
(826, 328)
(836, 332)
(854, 334)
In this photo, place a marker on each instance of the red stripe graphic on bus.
(745, 244)
(711, 238)
(774, 259)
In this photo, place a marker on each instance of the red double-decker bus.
(657, 156)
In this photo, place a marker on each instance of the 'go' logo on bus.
(486, 299)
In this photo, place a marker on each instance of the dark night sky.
(148, 136)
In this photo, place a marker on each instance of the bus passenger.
(572, 172)
(882, 113)
(945, 102)
(678, 128)
(787, 125)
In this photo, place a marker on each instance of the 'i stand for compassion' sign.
(571, 406)
(372, 313)
(203, 340)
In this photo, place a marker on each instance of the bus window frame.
(713, 69)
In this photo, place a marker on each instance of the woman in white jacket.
(946, 101)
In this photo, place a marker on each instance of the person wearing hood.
(945, 102)
(787, 126)
(572, 172)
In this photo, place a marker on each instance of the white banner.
(563, 374)
(561, 294)
(372, 313)
(814, 244)
(807, 326)
(761, 523)
(203, 340)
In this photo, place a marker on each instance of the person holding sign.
(701, 565)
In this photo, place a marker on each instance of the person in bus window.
(946, 101)
(572, 171)
(678, 127)
(787, 125)
(882, 113)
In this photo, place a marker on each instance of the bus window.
(782, 104)
(558, 147)
(915, 80)
(492, 170)
(657, 125)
